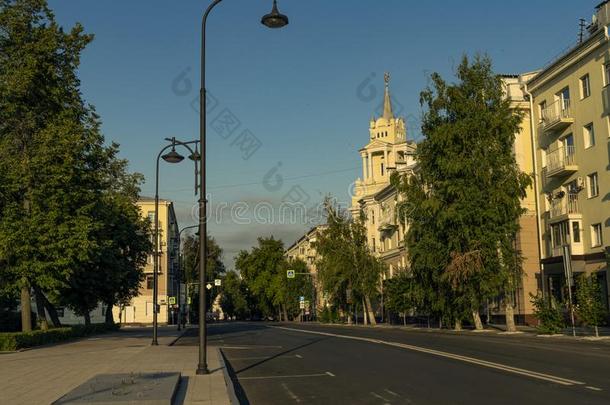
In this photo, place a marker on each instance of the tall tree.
(234, 300)
(346, 262)
(463, 203)
(39, 98)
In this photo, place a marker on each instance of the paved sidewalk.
(43, 375)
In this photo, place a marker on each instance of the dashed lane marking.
(266, 377)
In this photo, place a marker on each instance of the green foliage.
(234, 300)
(346, 263)
(464, 198)
(263, 269)
(22, 340)
(589, 305)
(548, 314)
(68, 224)
(402, 293)
(328, 315)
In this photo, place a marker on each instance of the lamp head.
(274, 19)
(173, 157)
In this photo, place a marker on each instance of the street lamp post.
(171, 157)
(272, 20)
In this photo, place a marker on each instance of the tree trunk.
(476, 317)
(596, 331)
(458, 325)
(110, 315)
(364, 313)
(50, 309)
(509, 312)
(87, 318)
(40, 312)
(26, 307)
(285, 313)
(404, 319)
(369, 308)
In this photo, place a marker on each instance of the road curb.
(234, 389)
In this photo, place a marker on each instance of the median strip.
(466, 359)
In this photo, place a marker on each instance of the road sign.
(301, 298)
(188, 300)
(217, 282)
(172, 300)
(290, 273)
(208, 286)
(302, 305)
(306, 303)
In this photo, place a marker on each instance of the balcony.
(557, 116)
(561, 162)
(563, 208)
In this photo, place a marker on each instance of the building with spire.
(387, 151)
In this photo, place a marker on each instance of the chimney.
(601, 18)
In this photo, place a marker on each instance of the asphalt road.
(316, 364)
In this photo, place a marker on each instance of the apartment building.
(304, 249)
(570, 103)
(140, 310)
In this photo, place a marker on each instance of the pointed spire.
(387, 101)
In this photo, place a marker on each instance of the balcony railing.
(561, 161)
(565, 206)
(557, 115)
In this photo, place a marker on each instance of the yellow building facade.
(388, 151)
(570, 108)
(140, 309)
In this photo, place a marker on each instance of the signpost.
(217, 282)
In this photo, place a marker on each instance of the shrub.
(328, 315)
(22, 340)
(548, 313)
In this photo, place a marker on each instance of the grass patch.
(21, 340)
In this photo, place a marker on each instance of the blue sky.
(304, 93)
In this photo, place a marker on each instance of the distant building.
(304, 249)
(140, 309)
(570, 102)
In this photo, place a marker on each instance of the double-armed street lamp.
(170, 157)
(272, 20)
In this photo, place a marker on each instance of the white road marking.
(266, 357)
(466, 359)
(376, 395)
(265, 377)
(593, 388)
(298, 356)
(250, 347)
(290, 393)
(391, 392)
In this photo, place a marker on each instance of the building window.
(541, 108)
(382, 169)
(606, 74)
(372, 217)
(576, 231)
(596, 235)
(149, 282)
(561, 234)
(589, 135)
(592, 185)
(564, 96)
(585, 86)
(373, 243)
